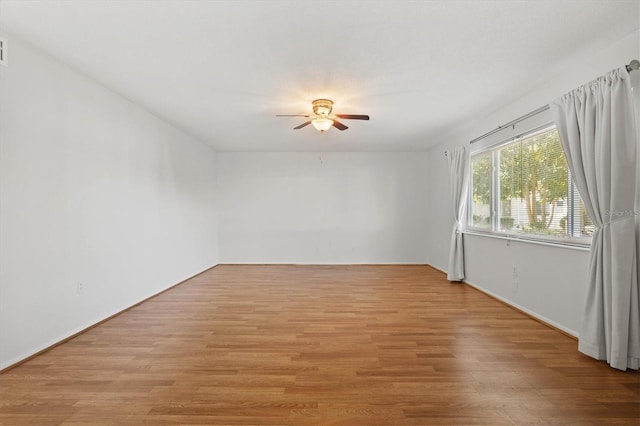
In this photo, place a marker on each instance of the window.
(523, 187)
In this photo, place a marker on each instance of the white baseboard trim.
(14, 362)
(520, 308)
(327, 263)
(527, 311)
(438, 268)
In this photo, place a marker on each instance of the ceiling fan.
(322, 117)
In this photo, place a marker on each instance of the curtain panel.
(458, 177)
(596, 123)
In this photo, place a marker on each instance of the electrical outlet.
(515, 271)
(80, 288)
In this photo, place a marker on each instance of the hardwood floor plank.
(319, 345)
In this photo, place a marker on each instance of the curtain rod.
(633, 65)
(512, 122)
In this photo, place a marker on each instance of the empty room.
(290, 212)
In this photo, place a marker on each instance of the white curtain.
(457, 160)
(596, 123)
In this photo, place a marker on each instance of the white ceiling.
(222, 70)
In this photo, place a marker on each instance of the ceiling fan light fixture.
(323, 118)
(322, 123)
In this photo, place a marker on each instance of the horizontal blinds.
(534, 185)
(523, 186)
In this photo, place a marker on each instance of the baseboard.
(438, 269)
(531, 314)
(327, 263)
(14, 363)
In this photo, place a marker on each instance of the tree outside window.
(526, 185)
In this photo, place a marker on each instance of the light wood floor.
(306, 345)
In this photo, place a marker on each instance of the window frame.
(494, 202)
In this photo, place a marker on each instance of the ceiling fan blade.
(338, 125)
(353, 116)
(292, 115)
(306, 123)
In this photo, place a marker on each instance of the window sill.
(509, 238)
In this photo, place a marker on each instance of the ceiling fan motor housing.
(322, 107)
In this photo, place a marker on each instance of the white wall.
(93, 189)
(550, 280)
(337, 208)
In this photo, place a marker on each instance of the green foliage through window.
(526, 186)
